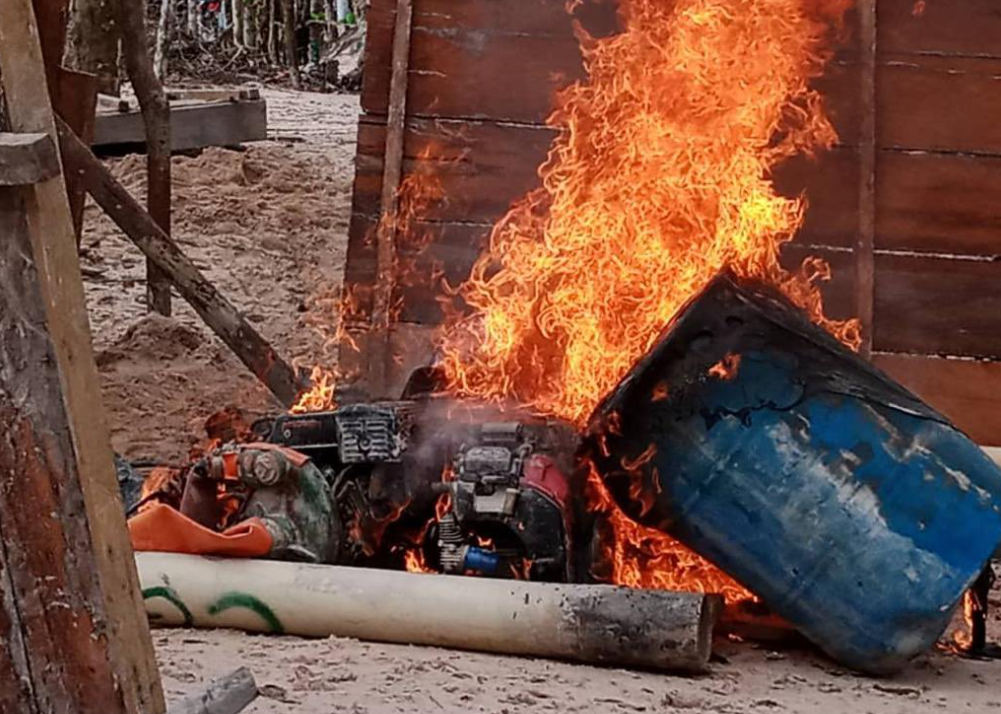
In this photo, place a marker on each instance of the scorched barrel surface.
(854, 510)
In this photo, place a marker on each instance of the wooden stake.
(76, 102)
(156, 117)
(73, 449)
(866, 239)
(217, 312)
(392, 172)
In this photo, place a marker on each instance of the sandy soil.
(269, 225)
(337, 675)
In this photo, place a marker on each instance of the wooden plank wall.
(482, 76)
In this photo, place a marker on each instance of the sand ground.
(269, 226)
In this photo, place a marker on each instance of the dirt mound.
(268, 226)
(153, 337)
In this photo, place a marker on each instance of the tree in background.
(93, 39)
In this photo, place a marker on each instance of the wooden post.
(380, 361)
(74, 633)
(74, 94)
(76, 102)
(156, 118)
(291, 55)
(866, 238)
(51, 17)
(217, 312)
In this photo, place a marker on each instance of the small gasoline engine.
(486, 497)
(505, 509)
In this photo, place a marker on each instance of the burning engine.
(505, 509)
(421, 482)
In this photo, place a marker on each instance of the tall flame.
(659, 177)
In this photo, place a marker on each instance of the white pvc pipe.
(591, 623)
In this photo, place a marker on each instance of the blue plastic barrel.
(855, 511)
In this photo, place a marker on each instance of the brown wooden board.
(45, 547)
(944, 306)
(939, 103)
(924, 102)
(969, 27)
(452, 249)
(927, 202)
(966, 391)
(526, 47)
(83, 459)
(483, 82)
(481, 167)
(923, 304)
(939, 203)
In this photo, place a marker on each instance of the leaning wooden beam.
(217, 312)
(654, 629)
(58, 444)
(27, 159)
(227, 695)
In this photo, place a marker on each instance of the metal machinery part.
(387, 465)
(360, 450)
(281, 487)
(508, 514)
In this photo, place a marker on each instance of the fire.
(646, 558)
(416, 194)
(660, 176)
(320, 396)
(162, 483)
(726, 368)
(413, 560)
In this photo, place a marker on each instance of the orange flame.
(417, 192)
(413, 561)
(642, 557)
(726, 368)
(320, 396)
(660, 176)
(163, 484)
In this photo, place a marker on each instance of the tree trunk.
(288, 19)
(156, 117)
(163, 39)
(193, 18)
(93, 42)
(250, 24)
(236, 8)
(272, 32)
